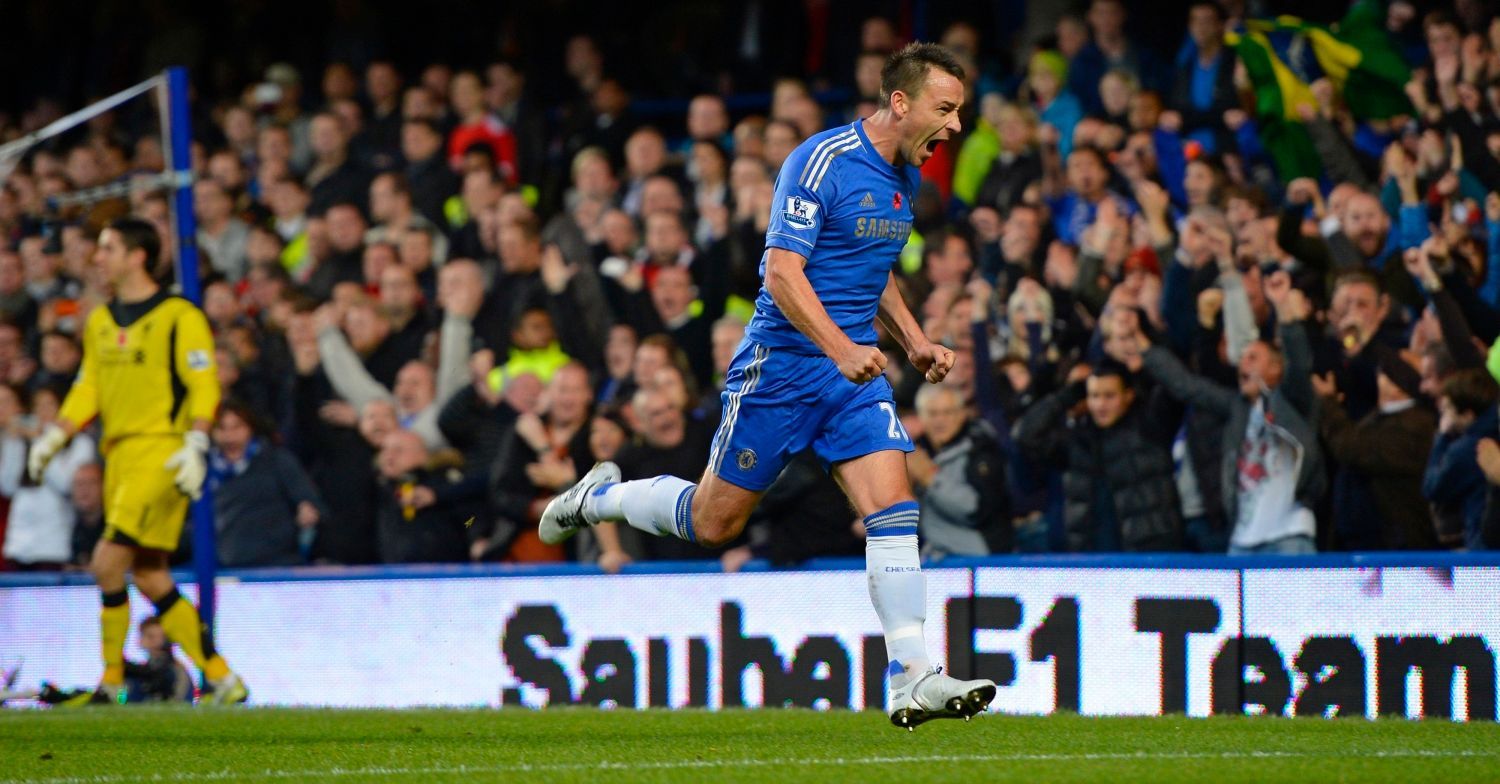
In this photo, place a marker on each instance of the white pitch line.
(606, 767)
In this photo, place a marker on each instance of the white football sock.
(661, 505)
(897, 588)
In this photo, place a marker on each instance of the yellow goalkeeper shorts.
(142, 505)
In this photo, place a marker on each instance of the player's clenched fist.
(861, 364)
(190, 463)
(933, 360)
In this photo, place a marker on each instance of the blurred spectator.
(1116, 461)
(334, 177)
(543, 455)
(411, 525)
(1453, 482)
(161, 678)
(670, 443)
(383, 130)
(40, 530)
(221, 234)
(1109, 49)
(395, 215)
(477, 125)
(1203, 87)
(265, 506)
(1272, 469)
(1380, 461)
(430, 178)
(88, 512)
(958, 473)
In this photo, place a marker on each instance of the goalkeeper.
(148, 375)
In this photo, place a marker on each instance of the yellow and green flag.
(1278, 94)
(1358, 56)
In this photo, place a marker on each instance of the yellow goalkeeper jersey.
(148, 369)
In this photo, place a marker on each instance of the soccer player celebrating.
(148, 374)
(808, 372)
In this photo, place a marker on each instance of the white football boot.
(933, 695)
(564, 515)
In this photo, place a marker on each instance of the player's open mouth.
(932, 145)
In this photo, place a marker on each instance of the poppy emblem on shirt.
(896, 201)
(120, 338)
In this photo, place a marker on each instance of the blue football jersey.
(848, 212)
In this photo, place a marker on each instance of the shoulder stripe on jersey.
(818, 152)
(828, 162)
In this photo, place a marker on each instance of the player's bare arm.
(932, 359)
(788, 285)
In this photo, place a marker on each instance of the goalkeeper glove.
(191, 463)
(49, 443)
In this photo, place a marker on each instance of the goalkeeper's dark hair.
(137, 234)
(906, 70)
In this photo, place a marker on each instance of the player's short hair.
(906, 70)
(137, 234)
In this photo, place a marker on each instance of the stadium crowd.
(439, 297)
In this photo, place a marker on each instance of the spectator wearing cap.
(284, 92)
(1056, 107)
(1378, 502)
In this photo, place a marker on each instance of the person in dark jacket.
(1381, 462)
(1453, 482)
(265, 506)
(1118, 483)
(1203, 84)
(543, 454)
(330, 442)
(412, 528)
(958, 472)
(427, 171)
(1271, 469)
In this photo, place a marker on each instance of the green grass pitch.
(103, 745)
